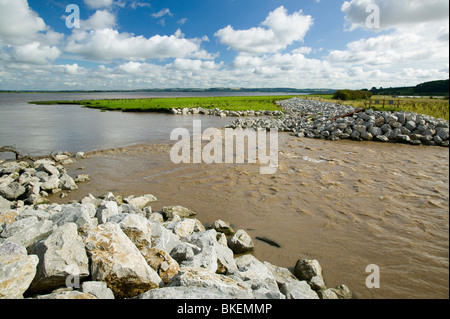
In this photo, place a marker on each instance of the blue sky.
(132, 44)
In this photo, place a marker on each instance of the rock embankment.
(113, 247)
(324, 120)
(224, 113)
(31, 182)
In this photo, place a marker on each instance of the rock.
(62, 254)
(186, 293)
(116, 261)
(7, 218)
(202, 278)
(403, 138)
(27, 231)
(294, 289)
(136, 227)
(183, 228)
(48, 168)
(258, 276)
(141, 201)
(80, 214)
(163, 238)
(107, 210)
(443, 133)
(82, 178)
(307, 269)
(12, 191)
(17, 270)
(382, 138)
(165, 266)
(67, 183)
(99, 289)
(184, 251)
(281, 275)
(340, 292)
(241, 242)
(223, 227)
(66, 294)
(132, 209)
(181, 211)
(212, 256)
(51, 184)
(80, 155)
(411, 125)
(366, 136)
(5, 204)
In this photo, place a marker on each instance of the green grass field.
(233, 103)
(438, 108)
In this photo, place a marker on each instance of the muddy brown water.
(346, 204)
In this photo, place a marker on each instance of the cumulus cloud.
(97, 4)
(109, 44)
(279, 30)
(11, 12)
(101, 19)
(396, 13)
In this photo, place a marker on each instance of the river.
(346, 204)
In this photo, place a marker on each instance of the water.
(41, 129)
(344, 203)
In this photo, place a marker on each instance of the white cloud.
(280, 30)
(97, 4)
(18, 23)
(101, 19)
(109, 44)
(396, 13)
(162, 13)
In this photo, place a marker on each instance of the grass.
(437, 107)
(234, 103)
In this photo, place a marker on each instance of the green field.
(233, 103)
(438, 108)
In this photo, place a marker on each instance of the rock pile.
(31, 182)
(323, 120)
(113, 247)
(224, 113)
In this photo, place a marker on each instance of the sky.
(145, 44)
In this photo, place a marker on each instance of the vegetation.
(439, 88)
(351, 95)
(165, 105)
(437, 107)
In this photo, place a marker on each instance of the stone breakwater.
(224, 113)
(118, 247)
(330, 121)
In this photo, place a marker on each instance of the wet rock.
(241, 242)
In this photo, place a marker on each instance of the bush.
(349, 95)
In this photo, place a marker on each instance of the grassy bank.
(165, 105)
(437, 107)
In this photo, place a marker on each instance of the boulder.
(223, 227)
(62, 254)
(163, 238)
(27, 231)
(99, 289)
(181, 211)
(80, 214)
(241, 242)
(117, 261)
(50, 184)
(17, 270)
(306, 269)
(12, 191)
(107, 210)
(202, 278)
(66, 294)
(141, 201)
(295, 289)
(340, 292)
(258, 276)
(161, 262)
(136, 227)
(188, 293)
(67, 183)
(184, 251)
(183, 228)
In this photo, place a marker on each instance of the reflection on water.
(346, 204)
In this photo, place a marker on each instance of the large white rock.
(241, 242)
(17, 270)
(62, 254)
(117, 261)
(27, 231)
(136, 227)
